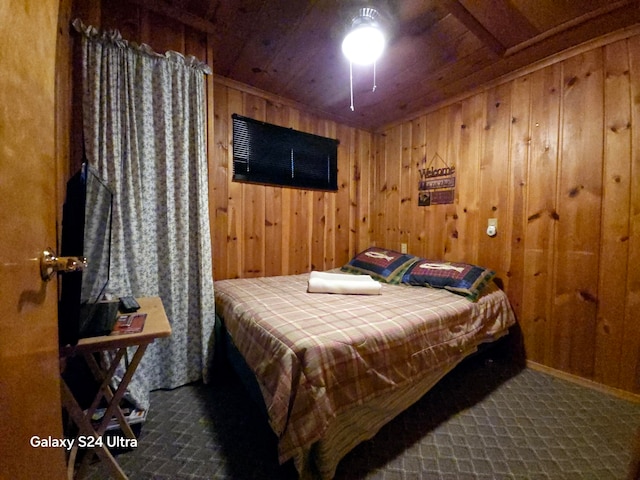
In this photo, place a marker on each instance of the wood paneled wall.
(262, 230)
(553, 155)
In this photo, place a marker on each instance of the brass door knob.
(50, 264)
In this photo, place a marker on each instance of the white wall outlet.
(492, 227)
(403, 248)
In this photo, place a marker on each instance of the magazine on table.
(129, 323)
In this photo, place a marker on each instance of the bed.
(333, 369)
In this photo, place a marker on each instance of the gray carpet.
(488, 419)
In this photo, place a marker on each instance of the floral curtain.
(144, 133)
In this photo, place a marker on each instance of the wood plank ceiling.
(437, 49)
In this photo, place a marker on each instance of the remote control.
(128, 305)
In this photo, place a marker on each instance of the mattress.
(317, 357)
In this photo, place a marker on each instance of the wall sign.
(437, 183)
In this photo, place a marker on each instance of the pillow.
(382, 264)
(461, 278)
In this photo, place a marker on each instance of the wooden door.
(29, 367)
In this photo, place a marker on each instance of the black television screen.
(86, 232)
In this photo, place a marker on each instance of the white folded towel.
(344, 283)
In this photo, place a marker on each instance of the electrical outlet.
(492, 227)
(403, 248)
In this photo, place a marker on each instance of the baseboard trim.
(616, 392)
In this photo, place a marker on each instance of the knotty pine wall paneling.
(417, 229)
(514, 230)
(341, 225)
(579, 207)
(361, 151)
(220, 212)
(408, 197)
(435, 216)
(300, 215)
(451, 151)
(276, 236)
(616, 178)
(253, 212)
(541, 217)
(471, 126)
(494, 187)
(389, 188)
(276, 231)
(553, 155)
(629, 364)
(378, 201)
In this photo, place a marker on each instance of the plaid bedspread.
(316, 354)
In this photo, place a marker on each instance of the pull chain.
(351, 82)
(374, 77)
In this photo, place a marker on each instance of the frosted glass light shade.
(364, 44)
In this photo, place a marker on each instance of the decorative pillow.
(382, 264)
(461, 278)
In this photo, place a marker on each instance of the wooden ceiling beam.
(575, 22)
(172, 10)
(468, 20)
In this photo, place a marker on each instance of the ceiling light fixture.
(364, 42)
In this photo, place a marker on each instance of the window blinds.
(274, 155)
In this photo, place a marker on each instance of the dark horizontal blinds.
(274, 155)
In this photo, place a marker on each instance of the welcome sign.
(437, 183)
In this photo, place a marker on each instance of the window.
(273, 155)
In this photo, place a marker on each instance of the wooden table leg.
(114, 403)
(83, 419)
(86, 430)
(106, 390)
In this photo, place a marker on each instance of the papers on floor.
(343, 283)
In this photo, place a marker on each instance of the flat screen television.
(86, 232)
